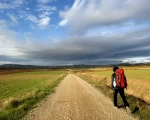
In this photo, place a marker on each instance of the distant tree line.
(31, 67)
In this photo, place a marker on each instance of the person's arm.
(112, 79)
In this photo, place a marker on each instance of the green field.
(141, 74)
(20, 91)
(18, 84)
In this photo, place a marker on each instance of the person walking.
(119, 87)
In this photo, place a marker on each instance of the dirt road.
(75, 99)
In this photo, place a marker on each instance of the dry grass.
(138, 92)
(138, 80)
(139, 89)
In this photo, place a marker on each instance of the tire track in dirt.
(75, 99)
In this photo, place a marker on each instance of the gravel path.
(75, 99)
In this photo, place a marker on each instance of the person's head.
(115, 68)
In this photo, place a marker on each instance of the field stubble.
(138, 87)
(138, 81)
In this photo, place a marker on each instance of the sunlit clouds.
(56, 32)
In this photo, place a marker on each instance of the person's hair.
(115, 68)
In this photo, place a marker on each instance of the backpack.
(120, 78)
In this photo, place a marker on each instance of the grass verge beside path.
(138, 107)
(18, 107)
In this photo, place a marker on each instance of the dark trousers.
(121, 92)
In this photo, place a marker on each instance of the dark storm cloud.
(102, 49)
(128, 21)
(94, 49)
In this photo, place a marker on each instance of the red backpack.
(120, 78)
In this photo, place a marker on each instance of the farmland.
(24, 88)
(138, 90)
(138, 80)
(21, 89)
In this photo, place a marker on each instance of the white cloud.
(86, 14)
(135, 60)
(32, 18)
(8, 43)
(13, 18)
(39, 18)
(18, 2)
(46, 1)
(3, 24)
(63, 22)
(4, 62)
(42, 18)
(27, 33)
(94, 49)
(45, 14)
(6, 6)
(44, 22)
(46, 8)
(11, 5)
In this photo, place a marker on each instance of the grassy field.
(20, 90)
(138, 92)
(141, 74)
(138, 80)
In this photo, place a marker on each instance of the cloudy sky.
(66, 32)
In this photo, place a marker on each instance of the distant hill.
(24, 67)
(30, 67)
(137, 64)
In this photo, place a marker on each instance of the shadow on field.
(135, 110)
